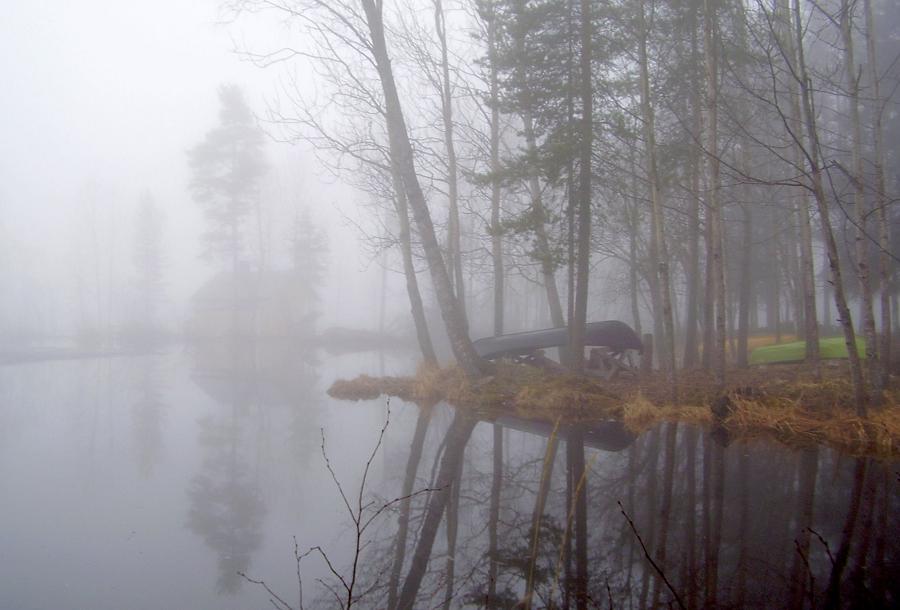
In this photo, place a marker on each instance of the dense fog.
(449, 303)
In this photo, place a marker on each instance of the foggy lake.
(439, 304)
(152, 481)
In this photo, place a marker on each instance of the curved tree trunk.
(402, 153)
(815, 173)
(423, 336)
(412, 466)
(456, 439)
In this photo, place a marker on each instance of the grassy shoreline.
(783, 402)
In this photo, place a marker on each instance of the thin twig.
(649, 558)
(263, 584)
(812, 579)
(824, 543)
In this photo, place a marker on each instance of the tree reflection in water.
(148, 414)
(226, 504)
(749, 525)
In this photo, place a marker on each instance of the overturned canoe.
(612, 334)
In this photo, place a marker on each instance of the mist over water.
(152, 481)
(211, 211)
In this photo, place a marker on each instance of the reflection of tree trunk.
(861, 566)
(743, 527)
(539, 502)
(575, 459)
(690, 548)
(879, 576)
(649, 532)
(665, 509)
(568, 577)
(412, 466)
(494, 518)
(457, 436)
(714, 542)
(452, 530)
(833, 594)
(629, 504)
(806, 490)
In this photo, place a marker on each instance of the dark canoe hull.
(613, 334)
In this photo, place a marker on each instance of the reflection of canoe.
(604, 435)
(615, 335)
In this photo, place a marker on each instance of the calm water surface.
(152, 481)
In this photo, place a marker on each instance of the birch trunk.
(815, 172)
(661, 264)
(873, 371)
(881, 198)
(454, 248)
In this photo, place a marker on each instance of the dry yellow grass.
(784, 403)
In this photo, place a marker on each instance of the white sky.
(112, 94)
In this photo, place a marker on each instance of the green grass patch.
(796, 351)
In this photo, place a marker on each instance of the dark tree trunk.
(537, 515)
(496, 232)
(806, 495)
(423, 336)
(665, 510)
(412, 467)
(691, 349)
(833, 593)
(575, 459)
(815, 172)
(454, 246)
(456, 439)
(746, 284)
(582, 271)
(494, 513)
(402, 153)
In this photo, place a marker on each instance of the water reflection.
(148, 415)
(226, 444)
(526, 516)
(246, 380)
